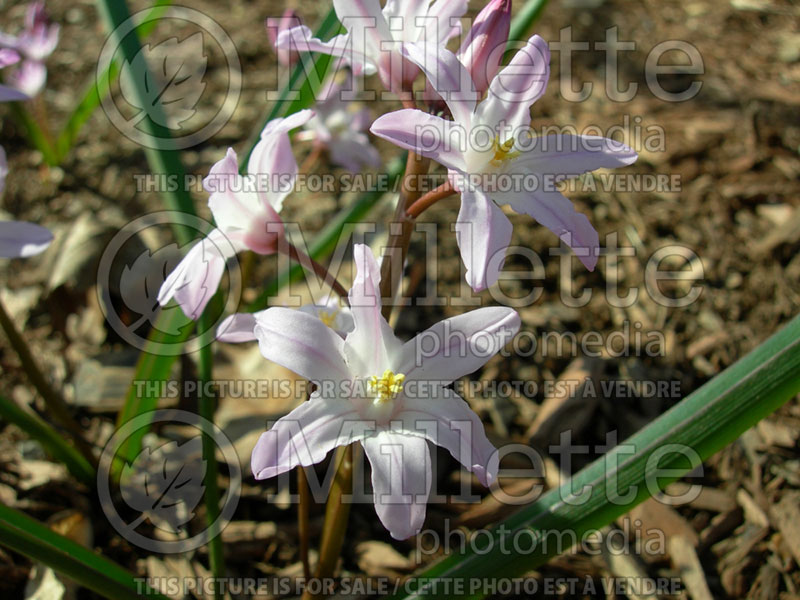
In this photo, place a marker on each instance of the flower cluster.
(362, 372)
(34, 44)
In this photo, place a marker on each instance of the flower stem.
(431, 198)
(337, 513)
(400, 230)
(54, 401)
(309, 263)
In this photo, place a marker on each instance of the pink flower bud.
(483, 48)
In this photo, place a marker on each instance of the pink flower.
(492, 157)
(338, 126)
(37, 41)
(246, 215)
(374, 35)
(7, 93)
(390, 396)
(240, 327)
(483, 48)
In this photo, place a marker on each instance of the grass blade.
(21, 533)
(704, 422)
(91, 98)
(50, 439)
(298, 81)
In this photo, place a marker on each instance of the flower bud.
(483, 48)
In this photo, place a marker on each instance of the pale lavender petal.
(272, 158)
(232, 207)
(484, 46)
(353, 152)
(366, 24)
(196, 278)
(332, 313)
(9, 94)
(448, 77)
(445, 419)
(401, 480)
(29, 78)
(570, 155)
(553, 210)
(515, 88)
(305, 436)
(371, 345)
(19, 239)
(447, 14)
(301, 39)
(237, 328)
(459, 345)
(303, 344)
(8, 57)
(425, 134)
(483, 233)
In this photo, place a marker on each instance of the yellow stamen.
(503, 151)
(386, 387)
(328, 316)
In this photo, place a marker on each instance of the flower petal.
(448, 15)
(570, 155)
(372, 345)
(19, 239)
(366, 24)
(553, 210)
(459, 345)
(237, 328)
(196, 278)
(483, 233)
(272, 158)
(515, 88)
(401, 480)
(301, 39)
(303, 344)
(424, 134)
(445, 419)
(304, 436)
(232, 206)
(449, 78)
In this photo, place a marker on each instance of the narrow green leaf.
(21, 533)
(522, 23)
(91, 98)
(299, 83)
(51, 440)
(36, 135)
(163, 162)
(694, 429)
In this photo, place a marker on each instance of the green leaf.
(27, 536)
(700, 425)
(300, 84)
(91, 98)
(522, 23)
(36, 134)
(51, 440)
